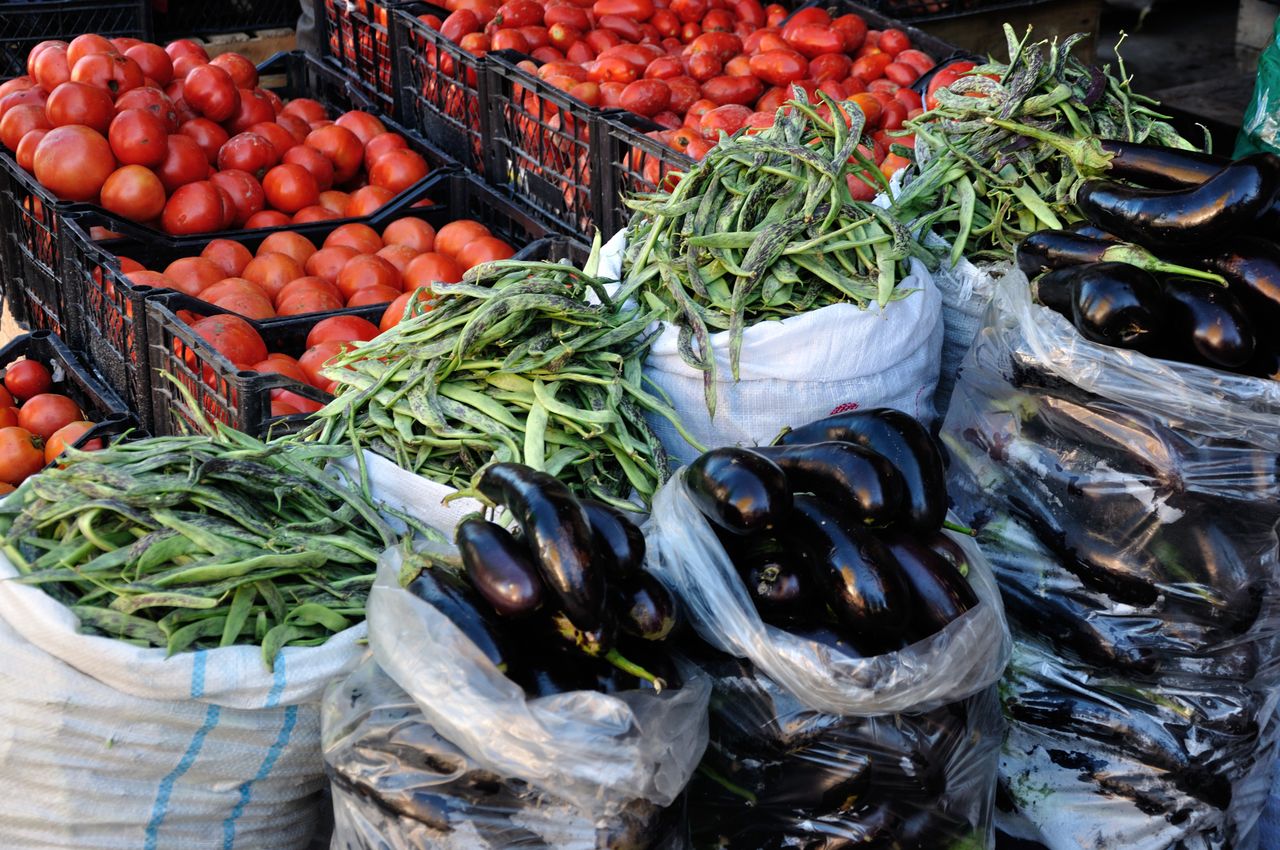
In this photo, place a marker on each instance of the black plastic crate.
(110, 307)
(635, 164)
(189, 18)
(439, 86)
(26, 23)
(544, 146)
(72, 378)
(355, 37)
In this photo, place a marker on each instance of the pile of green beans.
(199, 542)
(765, 227)
(512, 364)
(1005, 155)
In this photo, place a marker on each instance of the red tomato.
(739, 90)
(253, 108)
(901, 73)
(315, 212)
(30, 96)
(308, 295)
(267, 218)
(247, 195)
(83, 45)
(666, 23)
(341, 329)
(247, 152)
(779, 67)
(459, 23)
(718, 20)
(813, 40)
(636, 10)
(153, 61)
(689, 11)
(944, 78)
(396, 310)
(685, 91)
(327, 263)
(295, 125)
(332, 199)
(20, 455)
(646, 97)
(209, 136)
(893, 114)
(813, 15)
(728, 119)
(366, 127)
(366, 201)
(485, 249)
(312, 160)
(412, 232)
(45, 413)
(830, 66)
(193, 208)
(342, 147)
(152, 100)
(272, 270)
(397, 170)
(138, 137)
(367, 270)
(233, 338)
(231, 257)
(185, 47)
(27, 378)
(722, 45)
(115, 73)
(210, 91)
(314, 359)
(290, 187)
(26, 152)
(893, 41)
(34, 53)
(133, 192)
(870, 107)
(429, 268)
(922, 62)
(19, 121)
(307, 109)
(243, 72)
(80, 103)
(51, 68)
(184, 162)
(194, 274)
(871, 67)
(362, 237)
(908, 98)
(291, 244)
(73, 162)
(66, 436)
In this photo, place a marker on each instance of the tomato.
(233, 338)
(155, 280)
(253, 108)
(21, 120)
(7, 401)
(296, 127)
(398, 255)
(247, 152)
(290, 187)
(397, 170)
(231, 257)
(243, 72)
(184, 65)
(27, 378)
(685, 91)
(602, 40)
(689, 11)
(250, 305)
(311, 286)
(184, 162)
(193, 208)
(342, 147)
(287, 242)
(366, 127)
(267, 218)
(115, 73)
(271, 270)
(718, 20)
(429, 268)
(194, 274)
(413, 232)
(84, 45)
(138, 137)
(519, 13)
(366, 201)
(563, 36)
(535, 36)
(456, 235)
(229, 286)
(153, 62)
(383, 143)
(396, 309)
(67, 436)
(310, 301)
(21, 455)
(45, 413)
(739, 90)
(922, 62)
(210, 91)
(314, 359)
(871, 67)
(73, 162)
(327, 263)
(484, 250)
(134, 192)
(779, 67)
(8, 417)
(371, 295)
(280, 364)
(870, 107)
(51, 68)
(367, 270)
(26, 97)
(901, 73)
(153, 101)
(727, 119)
(80, 103)
(459, 23)
(722, 45)
(208, 135)
(17, 84)
(893, 41)
(185, 47)
(342, 329)
(247, 195)
(26, 151)
(306, 109)
(334, 201)
(944, 78)
(646, 97)
(279, 138)
(664, 68)
(315, 163)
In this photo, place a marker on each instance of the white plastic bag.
(104, 745)
(966, 291)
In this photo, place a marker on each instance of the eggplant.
(1084, 228)
(452, 596)
(939, 594)
(594, 642)
(739, 490)
(1252, 269)
(1056, 290)
(1046, 250)
(777, 577)
(618, 541)
(644, 606)
(822, 783)
(904, 442)
(848, 645)
(856, 574)
(1119, 305)
(855, 479)
(559, 534)
(498, 567)
(1159, 167)
(943, 545)
(547, 671)
(1209, 323)
(1216, 210)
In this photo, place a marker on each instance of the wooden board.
(256, 47)
(981, 32)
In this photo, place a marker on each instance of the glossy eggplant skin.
(739, 490)
(945, 547)
(1218, 209)
(1046, 250)
(1158, 167)
(855, 479)
(1088, 230)
(644, 606)
(452, 596)
(904, 442)
(1252, 269)
(618, 541)
(777, 577)
(1056, 290)
(1208, 323)
(1119, 305)
(856, 574)
(499, 567)
(594, 642)
(557, 530)
(939, 594)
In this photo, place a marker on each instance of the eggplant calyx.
(1134, 255)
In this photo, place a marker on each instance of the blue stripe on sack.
(282, 741)
(161, 808)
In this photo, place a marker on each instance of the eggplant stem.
(959, 529)
(727, 784)
(617, 659)
(1085, 154)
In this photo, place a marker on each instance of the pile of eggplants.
(1178, 258)
(1136, 552)
(561, 604)
(836, 534)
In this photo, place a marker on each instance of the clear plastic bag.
(566, 769)
(836, 751)
(1129, 507)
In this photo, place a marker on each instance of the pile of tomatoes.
(354, 267)
(36, 424)
(169, 137)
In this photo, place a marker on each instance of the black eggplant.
(1046, 250)
(499, 567)
(1056, 290)
(939, 594)
(547, 671)
(846, 644)
(943, 544)
(1084, 228)
(859, 481)
(594, 642)
(855, 573)
(1252, 269)
(776, 576)
(454, 598)
(1208, 323)
(618, 540)
(739, 490)
(904, 442)
(1216, 210)
(1119, 305)
(557, 530)
(644, 606)
(1159, 167)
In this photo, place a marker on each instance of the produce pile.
(168, 136)
(188, 542)
(36, 424)
(515, 364)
